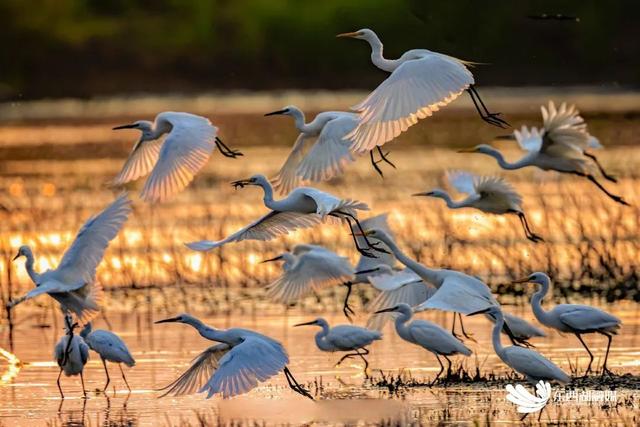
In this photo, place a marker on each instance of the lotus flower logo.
(527, 402)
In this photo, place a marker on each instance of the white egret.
(327, 157)
(307, 269)
(427, 335)
(573, 318)
(560, 146)
(172, 162)
(491, 195)
(527, 362)
(71, 353)
(344, 338)
(420, 83)
(303, 207)
(110, 347)
(456, 291)
(243, 359)
(73, 283)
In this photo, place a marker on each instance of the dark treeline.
(56, 48)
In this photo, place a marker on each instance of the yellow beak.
(354, 34)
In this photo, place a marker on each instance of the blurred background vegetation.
(84, 48)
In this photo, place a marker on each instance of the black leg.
(383, 157)
(606, 370)
(106, 371)
(527, 230)
(364, 252)
(453, 328)
(611, 196)
(464, 333)
(295, 386)
(370, 245)
(366, 363)
(84, 391)
(375, 164)
(590, 355)
(123, 377)
(58, 382)
(346, 309)
(226, 151)
(439, 372)
(346, 356)
(491, 118)
(448, 365)
(600, 168)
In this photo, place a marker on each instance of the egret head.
(538, 277)
(144, 126)
(438, 193)
(481, 148)
(24, 250)
(317, 322)
(363, 34)
(289, 110)
(259, 180)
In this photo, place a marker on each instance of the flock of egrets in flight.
(420, 83)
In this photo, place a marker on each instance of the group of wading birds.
(172, 150)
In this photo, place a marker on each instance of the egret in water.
(327, 157)
(573, 318)
(242, 359)
(73, 283)
(349, 338)
(527, 362)
(110, 347)
(71, 353)
(172, 162)
(560, 146)
(420, 83)
(427, 335)
(307, 269)
(303, 207)
(456, 291)
(491, 195)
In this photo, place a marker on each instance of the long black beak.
(172, 319)
(480, 311)
(523, 280)
(240, 183)
(273, 113)
(510, 137)
(385, 310)
(428, 193)
(278, 258)
(17, 256)
(313, 322)
(131, 126)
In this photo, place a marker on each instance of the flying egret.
(243, 359)
(110, 347)
(71, 353)
(529, 363)
(307, 269)
(456, 291)
(327, 157)
(560, 146)
(573, 318)
(73, 283)
(344, 338)
(303, 207)
(420, 83)
(172, 162)
(427, 335)
(491, 195)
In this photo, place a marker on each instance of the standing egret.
(573, 318)
(491, 195)
(110, 347)
(529, 363)
(519, 330)
(73, 283)
(303, 207)
(307, 269)
(427, 335)
(71, 353)
(344, 338)
(243, 359)
(327, 157)
(559, 146)
(456, 291)
(420, 83)
(172, 162)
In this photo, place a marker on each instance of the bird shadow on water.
(74, 412)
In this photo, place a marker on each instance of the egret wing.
(271, 225)
(463, 182)
(457, 296)
(253, 361)
(393, 281)
(79, 263)
(287, 178)
(497, 188)
(331, 152)
(140, 161)
(533, 364)
(327, 203)
(312, 271)
(201, 370)
(413, 91)
(586, 318)
(185, 151)
(51, 287)
(437, 338)
(413, 294)
(528, 139)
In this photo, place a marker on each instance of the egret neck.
(536, 303)
(320, 342)
(376, 55)
(401, 328)
(427, 274)
(35, 277)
